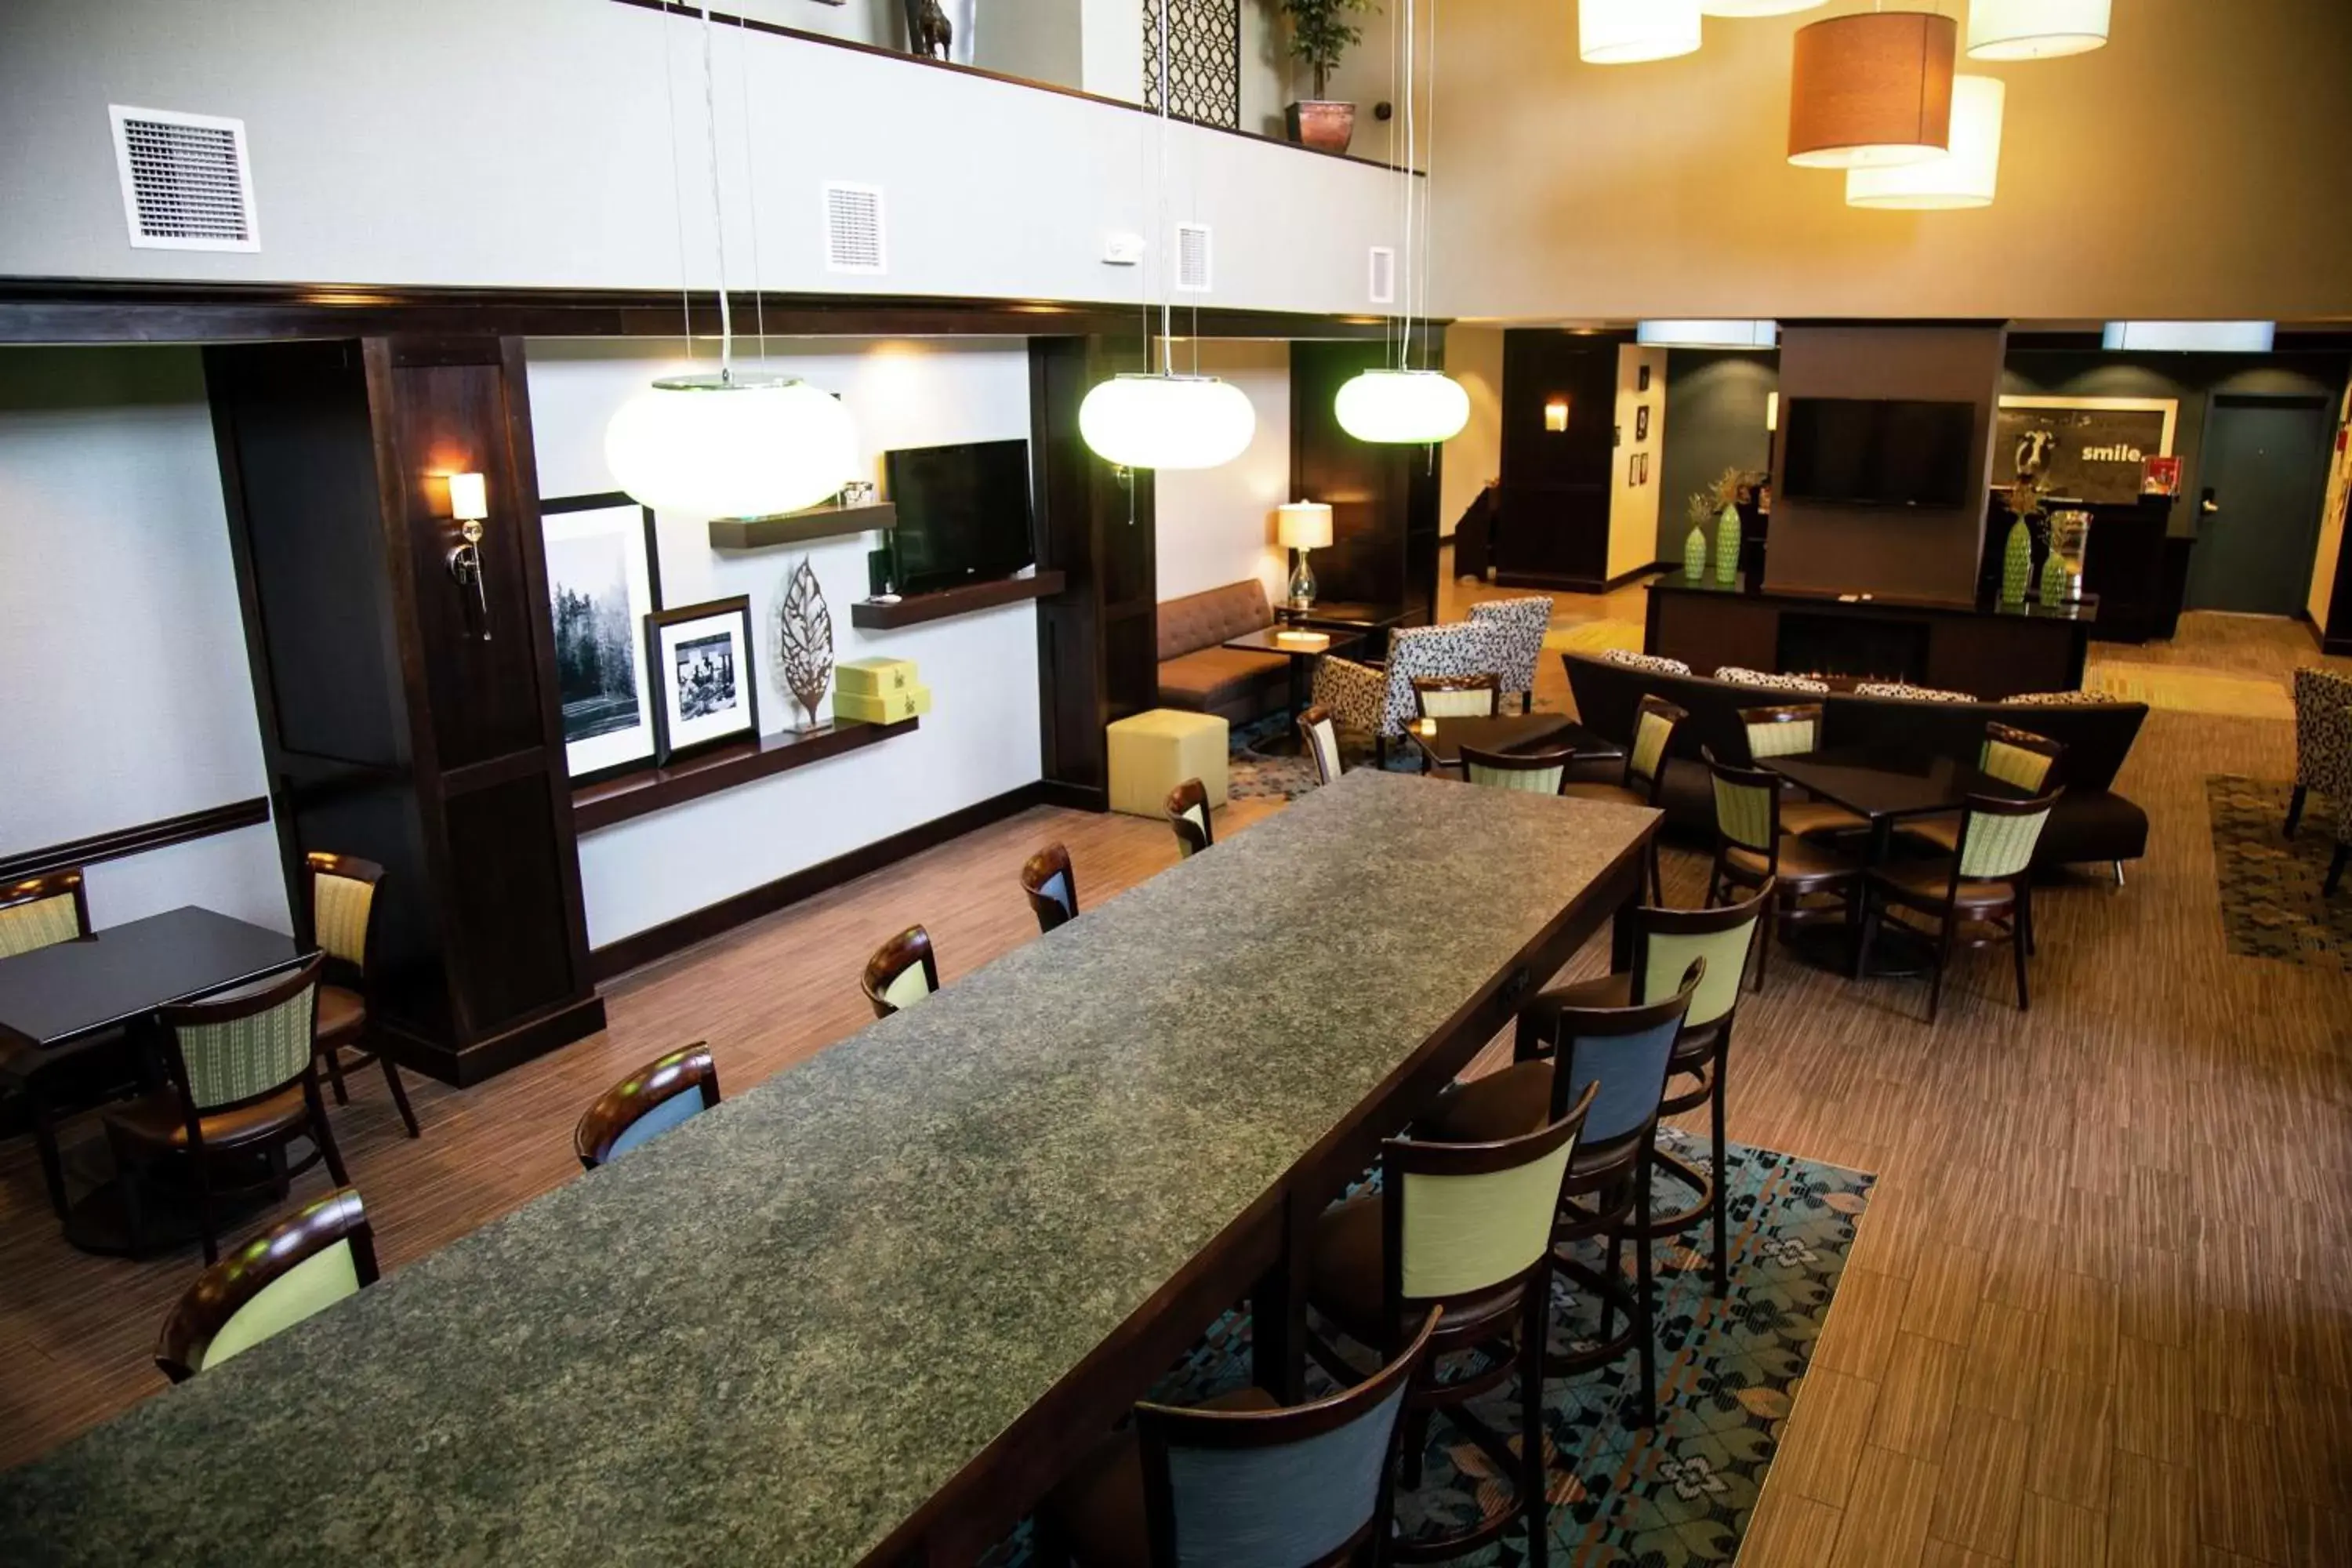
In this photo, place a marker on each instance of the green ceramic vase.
(2054, 580)
(2017, 563)
(1727, 545)
(1694, 554)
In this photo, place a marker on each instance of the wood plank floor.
(2097, 1311)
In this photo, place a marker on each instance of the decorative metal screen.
(1205, 59)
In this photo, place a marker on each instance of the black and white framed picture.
(1642, 421)
(603, 578)
(705, 686)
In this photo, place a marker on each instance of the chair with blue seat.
(646, 1104)
(1239, 1482)
(1051, 887)
(299, 1268)
(902, 971)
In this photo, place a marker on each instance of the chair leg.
(2019, 943)
(2294, 808)
(203, 1175)
(2119, 873)
(2025, 909)
(1532, 1487)
(2335, 870)
(1943, 961)
(1380, 750)
(1769, 933)
(399, 1093)
(280, 1184)
(333, 1057)
(1616, 1276)
(45, 1140)
(1657, 877)
(1646, 1340)
(323, 1134)
(1873, 916)
(1416, 1445)
(1722, 1198)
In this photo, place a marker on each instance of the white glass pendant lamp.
(1411, 407)
(731, 446)
(1628, 32)
(1757, 7)
(1163, 420)
(1966, 176)
(2035, 29)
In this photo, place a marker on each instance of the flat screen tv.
(1878, 452)
(963, 513)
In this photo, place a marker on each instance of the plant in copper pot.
(1320, 33)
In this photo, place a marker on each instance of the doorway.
(2264, 468)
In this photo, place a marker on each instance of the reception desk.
(1989, 650)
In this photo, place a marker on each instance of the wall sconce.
(1555, 415)
(470, 503)
(1772, 412)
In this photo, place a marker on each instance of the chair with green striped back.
(244, 1082)
(342, 905)
(2018, 758)
(1791, 730)
(902, 971)
(1320, 733)
(1535, 772)
(1239, 1482)
(1985, 891)
(1051, 888)
(1465, 1227)
(1751, 849)
(1472, 696)
(41, 911)
(37, 912)
(648, 1103)
(1656, 720)
(1188, 813)
(298, 1270)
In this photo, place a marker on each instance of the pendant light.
(2035, 29)
(1628, 32)
(1159, 419)
(1402, 404)
(1757, 7)
(1965, 176)
(1872, 89)
(729, 444)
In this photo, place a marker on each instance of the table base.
(170, 1213)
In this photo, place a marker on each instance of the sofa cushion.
(1199, 621)
(1213, 676)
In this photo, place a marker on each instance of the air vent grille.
(1194, 256)
(186, 182)
(1384, 275)
(853, 237)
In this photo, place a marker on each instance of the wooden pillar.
(1383, 498)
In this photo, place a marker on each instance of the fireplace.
(1862, 647)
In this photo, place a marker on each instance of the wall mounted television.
(963, 513)
(1853, 451)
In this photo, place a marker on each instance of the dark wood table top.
(1513, 732)
(59, 993)
(1344, 612)
(1889, 782)
(1299, 642)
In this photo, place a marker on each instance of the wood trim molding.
(138, 840)
(964, 599)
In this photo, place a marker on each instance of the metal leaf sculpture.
(805, 640)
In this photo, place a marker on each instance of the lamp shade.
(1964, 177)
(1872, 89)
(1167, 421)
(1410, 407)
(720, 446)
(2035, 29)
(1627, 32)
(1732, 334)
(1302, 525)
(1757, 7)
(469, 499)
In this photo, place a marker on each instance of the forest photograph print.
(600, 585)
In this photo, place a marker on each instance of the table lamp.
(1302, 525)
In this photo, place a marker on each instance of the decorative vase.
(804, 643)
(2054, 581)
(1727, 545)
(1326, 124)
(2017, 563)
(1694, 554)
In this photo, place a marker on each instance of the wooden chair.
(1239, 1481)
(902, 971)
(1752, 849)
(340, 893)
(1188, 813)
(1465, 1227)
(1319, 732)
(37, 912)
(1656, 720)
(1791, 730)
(2323, 745)
(244, 1080)
(1537, 772)
(1615, 1061)
(2019, 757)
(298, 1270)
(1987, 888)
(1477, 696)
(1051, 887)
(646, 1104)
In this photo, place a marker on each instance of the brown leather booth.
(1201, 677)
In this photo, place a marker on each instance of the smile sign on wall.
(2082, 449)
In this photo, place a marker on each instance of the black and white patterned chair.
(1516, 629)
(1903, 691)
(2322, 746)
(1764, 680)
(1377, 699)
(1656, 664)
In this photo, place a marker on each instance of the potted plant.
(1320, 33)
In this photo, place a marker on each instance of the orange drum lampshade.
(1872, 89)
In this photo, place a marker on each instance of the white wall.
(1215, 526)
(980, 741)
(1633, 509)
(529, 144)
(124, 692)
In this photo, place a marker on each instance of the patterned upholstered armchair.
(1377, 699)
(1517, 629)
(2323, 743)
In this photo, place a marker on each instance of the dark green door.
(2265, 468)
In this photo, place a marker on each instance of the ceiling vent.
(187, 184)
(1192, 258)
(852, 229)
(1384, 275)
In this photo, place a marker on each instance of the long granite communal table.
(867, 1310)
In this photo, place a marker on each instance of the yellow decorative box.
(886, 709)
(875, 677)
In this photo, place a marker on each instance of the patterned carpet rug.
(2270, 903)
(1250, 774)
(2190, 691)
(1681, 1493)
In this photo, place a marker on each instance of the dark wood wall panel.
(1553, 530)
(1383, 498)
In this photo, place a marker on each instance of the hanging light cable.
(728, 445)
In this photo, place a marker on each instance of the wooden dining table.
(870, 1310)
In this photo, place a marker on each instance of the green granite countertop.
(771, 1334)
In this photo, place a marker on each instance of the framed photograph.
(1641, 379)
(2083, 449)
(1646, 470)
(603, 578)
(1642, 422)
(706, 687)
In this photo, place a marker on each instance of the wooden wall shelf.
(916, 608)
(636, 794)
(804, 526)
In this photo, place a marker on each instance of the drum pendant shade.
(1872, 89)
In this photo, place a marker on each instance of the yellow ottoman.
(1153, 752)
